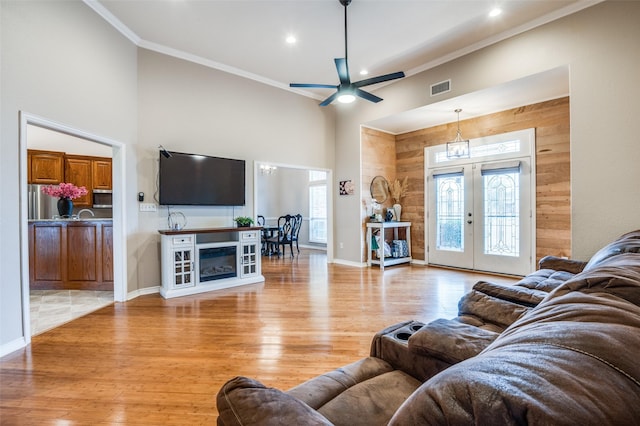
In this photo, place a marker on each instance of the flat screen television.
(200, 180)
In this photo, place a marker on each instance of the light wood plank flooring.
(152, 361)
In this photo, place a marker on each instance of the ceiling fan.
(346, 91)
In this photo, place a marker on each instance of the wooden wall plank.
(553, 167)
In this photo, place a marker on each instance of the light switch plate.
(148, 207)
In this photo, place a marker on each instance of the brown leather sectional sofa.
(560, 347)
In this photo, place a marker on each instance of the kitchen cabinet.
(45, 167)
(101, 173)
(71, 255)
(77, 170)
(90, 172)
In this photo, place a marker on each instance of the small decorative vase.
(65, 207)
(397, 208)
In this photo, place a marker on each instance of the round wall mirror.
(379, 189)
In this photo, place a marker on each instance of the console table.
(382, 227)
(200, 260)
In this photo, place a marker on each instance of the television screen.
(200, 180)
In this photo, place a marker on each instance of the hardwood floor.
(153, 361)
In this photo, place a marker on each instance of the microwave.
(102, 198)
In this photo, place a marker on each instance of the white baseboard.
(350, 263)
(364, 264)
(13, 346)
(308, 246)
(143, 291)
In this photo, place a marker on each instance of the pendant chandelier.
(458, 148)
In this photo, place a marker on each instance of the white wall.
(60, 61)
(191, 108)
(600, 46)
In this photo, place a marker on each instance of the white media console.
(199, 260)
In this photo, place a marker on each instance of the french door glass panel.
(501, 193)
(450, 212)
(450, 235)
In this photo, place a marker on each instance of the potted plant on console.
(243, 221)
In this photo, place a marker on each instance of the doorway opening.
(480, 209)
(27, 121)
(282, 189)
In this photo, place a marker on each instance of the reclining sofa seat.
(547, 367)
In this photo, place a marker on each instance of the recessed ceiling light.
(495, 12)
(364, 72)
(291, 39)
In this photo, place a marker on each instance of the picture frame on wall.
(346, 187)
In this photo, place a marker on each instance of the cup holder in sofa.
(403, 336)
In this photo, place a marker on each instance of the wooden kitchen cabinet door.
(78, 171)
(101, 170)
(45, 167)
(47, 243)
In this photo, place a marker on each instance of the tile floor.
(52, 308)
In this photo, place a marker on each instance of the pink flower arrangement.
(65, 190)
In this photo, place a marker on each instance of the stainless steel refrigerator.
(41, 206)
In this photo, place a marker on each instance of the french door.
(479, 209)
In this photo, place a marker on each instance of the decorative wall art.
(347, 187)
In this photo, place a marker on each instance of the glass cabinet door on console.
(182, 262)
(250, 251)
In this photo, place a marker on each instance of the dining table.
(269, 231)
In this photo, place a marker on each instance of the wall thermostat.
(140, 196)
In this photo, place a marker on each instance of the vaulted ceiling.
(248, 37)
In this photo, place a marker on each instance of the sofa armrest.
(243, 401)
(560, 264)
(391, 345)
(450, 340)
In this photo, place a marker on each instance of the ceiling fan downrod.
(345, 3)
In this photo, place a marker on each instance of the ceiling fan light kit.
(347, 91)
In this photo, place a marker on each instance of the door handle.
(469, 222)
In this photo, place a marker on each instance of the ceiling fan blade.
(379, 79)
(322, 86)
(366, 95)
(343, 70)
(329, 99)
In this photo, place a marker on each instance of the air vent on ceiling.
(442, 87)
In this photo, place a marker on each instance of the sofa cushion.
(319, 390)
(371, 402)
(490, 309)
(512, 293)
(450, 340)
(561, 264)
(545, 279)
(244, 401)
(628, 244)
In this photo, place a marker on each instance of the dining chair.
(284, 236)
(296, 230)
